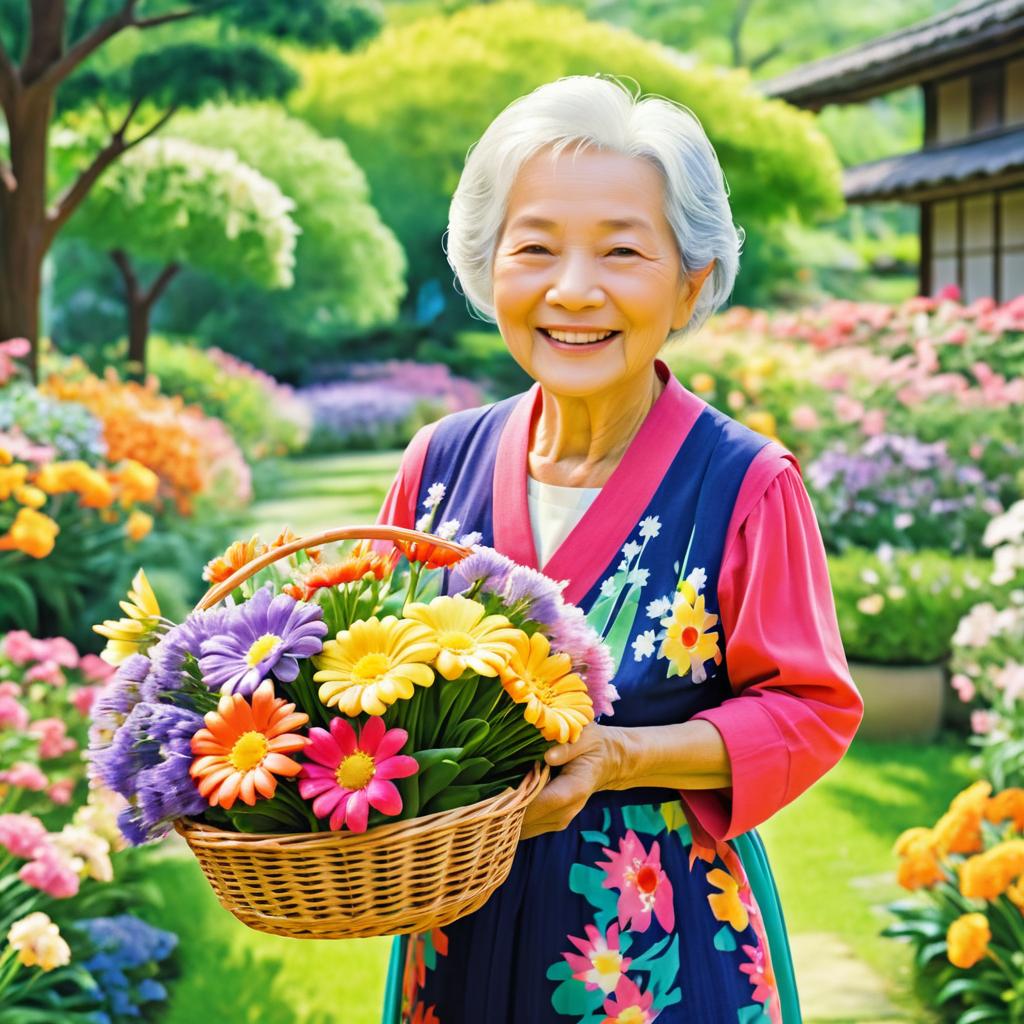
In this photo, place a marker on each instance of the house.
(968, 179)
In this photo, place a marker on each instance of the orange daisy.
(286, 536)
(238, 554)
(243, 747)
(433, 556)
(361, 560)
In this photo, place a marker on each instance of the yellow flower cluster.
(983, 874)
(375, 662)
(133, 634)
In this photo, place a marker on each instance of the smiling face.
(588, 282)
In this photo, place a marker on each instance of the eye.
(623, 249)
(533, 246)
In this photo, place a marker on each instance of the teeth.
(578, 338)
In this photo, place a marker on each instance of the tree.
(411, 103)
(58, 45)
(174, 204)
(349, 267)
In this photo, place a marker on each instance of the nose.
(575, 285)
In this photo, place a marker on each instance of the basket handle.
(376, 532)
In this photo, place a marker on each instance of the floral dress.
(654, 904)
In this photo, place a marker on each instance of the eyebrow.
(613, 224)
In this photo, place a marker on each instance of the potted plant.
(897, 613)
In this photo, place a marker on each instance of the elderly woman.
(593, 226)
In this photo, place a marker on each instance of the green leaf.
(470, 734)
(435, 755)
(982, 1013)
(474, 769)
(436, 778)
(930, 951)
(453, 797)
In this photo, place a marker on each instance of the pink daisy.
(353, 773)
(629, 1005)
(601, 964)
(643, 887)
(759, 973)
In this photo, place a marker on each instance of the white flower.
(977, 627)
(92, 851)
(871, 605)
(470, 540)
(435, 494)
(870, 577)
(608, 587)
(1007, 527)
(697, 578)
(423, 523)
(38, 943)
(659, 607)
(631, 550)
(448, 529)
(643, 645)
(885, 552)
(650, 527)
(639, 577)
(903, 520)
(896, 592)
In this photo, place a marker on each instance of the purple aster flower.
(483, 564)
(114, 704)
(542, 594)
(175, 646)
(264, 634)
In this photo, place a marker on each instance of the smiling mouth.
(581, 338)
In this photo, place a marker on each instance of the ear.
(689, 291)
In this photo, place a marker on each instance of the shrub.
(264, 417)
(901, 607)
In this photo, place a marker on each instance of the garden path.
(830, 850)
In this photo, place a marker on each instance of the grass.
(830, 850)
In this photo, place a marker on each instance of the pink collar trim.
(607, 524)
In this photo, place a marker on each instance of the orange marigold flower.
(11, 478)
(243, 747)
(433, 556)
(32, 533)
(967, 940)
(6, 458)
(986, 876)
(136, 482)
(238, 554)
(1007, 804)
(31, 496)
(1015, 893)
(919, 866)
(959, 829)
(138, 525)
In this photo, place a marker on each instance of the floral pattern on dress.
(608, 978)
(421, 956)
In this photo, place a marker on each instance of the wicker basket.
(409, 876)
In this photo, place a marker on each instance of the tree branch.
(77, 52)
(156, 289)
(124, 264)
(72, 197)
(163, 19)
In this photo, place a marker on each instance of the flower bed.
(68, 949)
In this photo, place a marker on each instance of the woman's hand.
(592, 763)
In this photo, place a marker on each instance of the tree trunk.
(23, 237)
(139, 303)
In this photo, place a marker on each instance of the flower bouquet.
(347, 744)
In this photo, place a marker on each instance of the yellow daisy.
(374, 663)
(133, 634)
(556, 698)
(688, 643)
(467, 638)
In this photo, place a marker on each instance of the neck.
(578, 441)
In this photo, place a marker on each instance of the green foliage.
(411, 103)
(171, 201)
(345, 23)
(264, 418)
(349, 267)
(904, 608)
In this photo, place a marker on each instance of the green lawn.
(830, 849)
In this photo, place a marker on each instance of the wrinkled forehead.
(598, 188)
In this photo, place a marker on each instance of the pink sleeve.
(399, 508)
(796, 707)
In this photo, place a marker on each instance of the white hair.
(603, 112)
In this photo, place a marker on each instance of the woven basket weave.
(408, 876)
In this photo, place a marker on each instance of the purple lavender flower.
(264, 634)
(169, 655)
(114, 704)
